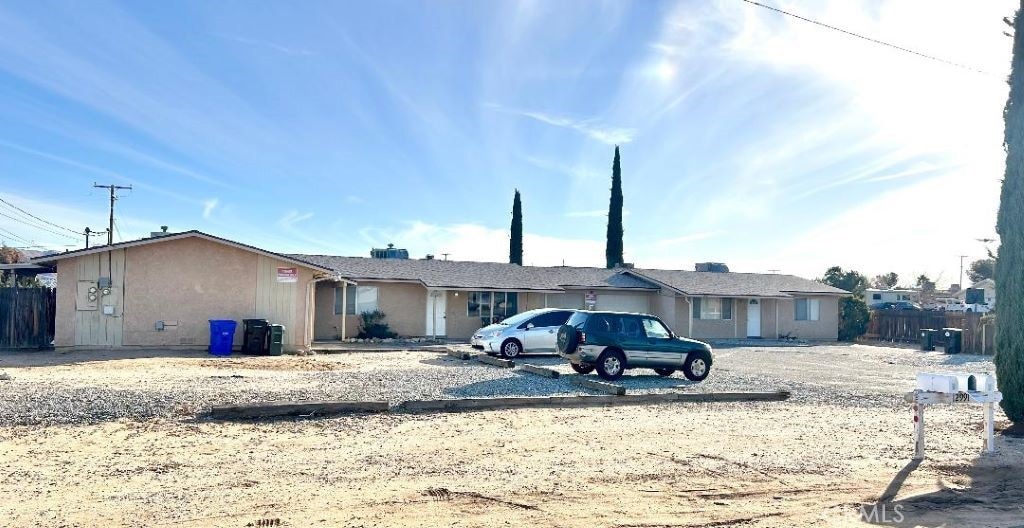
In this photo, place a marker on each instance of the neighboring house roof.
(175, 236)
(730, 284)
(479, 275)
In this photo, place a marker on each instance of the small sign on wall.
(590, 300)
(287, 275)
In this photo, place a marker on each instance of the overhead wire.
(43, 220)
(876, 41)
(35, 226)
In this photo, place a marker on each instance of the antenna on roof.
(445, 255)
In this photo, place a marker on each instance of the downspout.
(776, 318)
(689, 316)
(344, 308)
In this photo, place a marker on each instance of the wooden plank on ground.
(540, 371)
(602, 386)
(459, 354)
(295, 408)
(498, 362)
(484, 404)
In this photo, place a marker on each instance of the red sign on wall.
(287, 274)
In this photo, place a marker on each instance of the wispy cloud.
(594, 213)
(592, 128)
(209, 206)
(293, 217)
(576, 171)
(692, 237)
(287, 50)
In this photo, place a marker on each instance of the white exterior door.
(437, 301)
(754, 318)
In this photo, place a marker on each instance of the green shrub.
(853, 318)
(372, 325)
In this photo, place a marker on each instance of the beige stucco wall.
(403, 304)
(67, 279)
(826, 327)
(188, 281)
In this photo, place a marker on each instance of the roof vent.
(712, 267)
(428, 257)
(160, 233)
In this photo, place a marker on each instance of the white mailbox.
(955, 388)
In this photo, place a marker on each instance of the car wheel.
(566, 339)
(697, 366)
(511, 348)
(582, 368)
(664, 372)
(611, 364)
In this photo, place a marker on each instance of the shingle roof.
(484, 275)
(53, 257)
(736, 284)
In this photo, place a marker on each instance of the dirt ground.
(824, 460)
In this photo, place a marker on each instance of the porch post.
(344, 308)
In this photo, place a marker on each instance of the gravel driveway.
(90, 387)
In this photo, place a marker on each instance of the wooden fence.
(27, 317)
(904, 326)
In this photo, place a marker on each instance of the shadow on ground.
(995, 496)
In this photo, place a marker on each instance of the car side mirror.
(529, 326)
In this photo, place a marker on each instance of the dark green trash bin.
(276, 339)
(954, 340)
(928, 338)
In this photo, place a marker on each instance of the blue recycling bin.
(222, 334)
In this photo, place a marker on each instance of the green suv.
(612, 342)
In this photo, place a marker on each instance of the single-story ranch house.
(161, 292)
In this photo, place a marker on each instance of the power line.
(17, 237)
(37, 218)
(876, 41)
(41, 228)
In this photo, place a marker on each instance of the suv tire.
(567, 339)
(582, 368)
(511, 349)
(611, 364)
(664, 372)
(697, 365)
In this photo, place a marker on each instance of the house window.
(492, 306)
(358, 299)
(712, 308)
(876, 296)
(807, 309)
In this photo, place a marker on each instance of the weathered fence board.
(905, 327)
(27, 317)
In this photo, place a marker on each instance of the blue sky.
(327, 127)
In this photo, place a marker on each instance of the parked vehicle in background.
(612, 342)
(944, 304)
(530, 331)
(898, 305)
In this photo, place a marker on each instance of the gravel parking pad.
(89, 387)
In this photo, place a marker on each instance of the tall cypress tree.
(613, 249)
(515, 245)
(1009, 340)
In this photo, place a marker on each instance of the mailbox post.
(975, 389)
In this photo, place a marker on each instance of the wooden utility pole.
(113, 197)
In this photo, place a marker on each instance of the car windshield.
(519, 318)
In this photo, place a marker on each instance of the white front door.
(754, 318)
(436, 303)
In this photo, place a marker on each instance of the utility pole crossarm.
(113, 197)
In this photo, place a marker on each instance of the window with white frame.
(492, 306)
(358, 299)
(712, 308)
(807, 309)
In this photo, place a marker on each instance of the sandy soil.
(797, 463)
